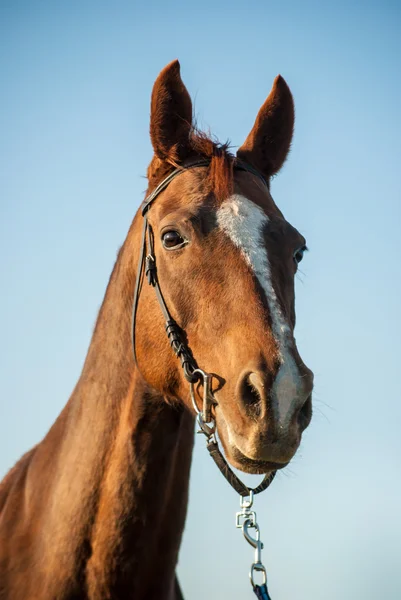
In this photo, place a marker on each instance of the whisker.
(321, 413)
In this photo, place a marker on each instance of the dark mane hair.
(220, 175)
(221, 165)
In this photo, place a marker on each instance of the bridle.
(246, 518)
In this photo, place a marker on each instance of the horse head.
(226, 262)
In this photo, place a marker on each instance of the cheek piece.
(197, 378)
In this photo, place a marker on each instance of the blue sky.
(74, 107)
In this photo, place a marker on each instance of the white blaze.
(244, 221)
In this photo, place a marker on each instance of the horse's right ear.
(268, 143)
(170, 115)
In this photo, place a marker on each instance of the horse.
(97, 509)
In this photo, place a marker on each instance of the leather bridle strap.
(174, 334)
(166, 182)
(138, 285)
(173, 331)
(231, 477)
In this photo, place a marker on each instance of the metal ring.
(206, 427)
(191, 387)
(203, 375)
(201, 372)
(257, 567)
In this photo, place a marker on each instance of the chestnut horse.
(97, 509)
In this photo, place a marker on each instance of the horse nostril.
(250, 395)
(305, 413)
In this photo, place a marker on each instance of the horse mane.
(202, 145)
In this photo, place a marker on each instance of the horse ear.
(170, 115)
(269, 141)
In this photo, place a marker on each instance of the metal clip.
(254, 542)
(246, 520)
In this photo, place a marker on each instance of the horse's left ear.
(170, 115)
(269, 141)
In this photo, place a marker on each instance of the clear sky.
(75, 82)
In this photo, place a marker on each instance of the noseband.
(246, 518)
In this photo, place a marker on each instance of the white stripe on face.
(244, 221)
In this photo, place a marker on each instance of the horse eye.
(299, 254)
(172, 239)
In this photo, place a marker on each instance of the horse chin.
(239, 460)
(251, 465)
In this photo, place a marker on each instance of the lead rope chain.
(246, 518)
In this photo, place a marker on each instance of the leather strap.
(171, 326)
(163, 184)
(239, 165)
(174, 333)
(190, 164)
(231, 477)
(138, 285)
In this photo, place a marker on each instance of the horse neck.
(121, 480)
